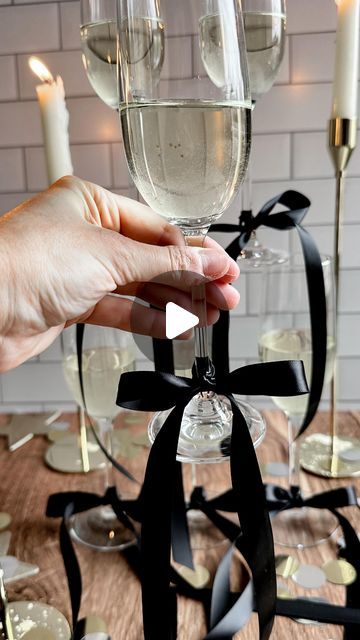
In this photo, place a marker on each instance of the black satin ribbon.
(153, 391)
(279, 499)
(64, 505)
(297, 207)
(163, 355)
(226, 608)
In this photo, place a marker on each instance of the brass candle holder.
(332, 455)
(83, 440)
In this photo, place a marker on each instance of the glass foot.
(316, 456)
(205, 434)
(303, 528)
(100, 529)
(256, 256)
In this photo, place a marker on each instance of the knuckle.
(182, 259)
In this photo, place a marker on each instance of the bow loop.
(154, 390)
(280, 499)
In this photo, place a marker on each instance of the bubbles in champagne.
(187, 159)
(294, 344)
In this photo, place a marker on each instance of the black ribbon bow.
(154, 391)
(297, 206)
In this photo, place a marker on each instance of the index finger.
(133, 219)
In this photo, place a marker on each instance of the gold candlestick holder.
(332, 455)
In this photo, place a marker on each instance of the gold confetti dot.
(339, 572)
(5, 520)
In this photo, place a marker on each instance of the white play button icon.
(178, 320)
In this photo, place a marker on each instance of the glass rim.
(326, 261)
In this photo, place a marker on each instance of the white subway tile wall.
(289, 151)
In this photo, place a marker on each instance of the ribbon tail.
(72, 570)
(157, 504)
(254, 520)
(179, 524)
(318, 321)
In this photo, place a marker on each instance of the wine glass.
(265, 31)
(285, 334)
(107, 353)
(99, 48)
(187, 144)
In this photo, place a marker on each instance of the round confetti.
(339, 572)
(5, 520)
(94, 625)
(309, 576)
(286, 566)
(278, 469)
(198, 578)
(350, 455)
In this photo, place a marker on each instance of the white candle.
(345, 95)
(55, 122)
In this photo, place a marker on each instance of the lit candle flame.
(40, 70)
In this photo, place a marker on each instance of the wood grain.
(110, 589)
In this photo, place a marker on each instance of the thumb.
(138, 262)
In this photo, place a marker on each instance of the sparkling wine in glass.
(99, 40)
(285, 334)
(187, 144)
(265, 32)
(107, 353)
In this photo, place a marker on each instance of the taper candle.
(55, 121)
(345, 93)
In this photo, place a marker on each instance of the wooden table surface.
(109, 586)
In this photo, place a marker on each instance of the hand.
(67, 251)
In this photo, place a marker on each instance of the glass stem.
(106, 431)
(193, 476)
(294, 457)
(246, 192)
(196, 237)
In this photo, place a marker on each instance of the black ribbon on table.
(64, 505)
(297, 206)
(154, 391)
(279, 499)
(229, 607)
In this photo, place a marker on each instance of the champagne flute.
(265, 31)
(107, 353)
(285, 334)
(99, 48)
(187, 146)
